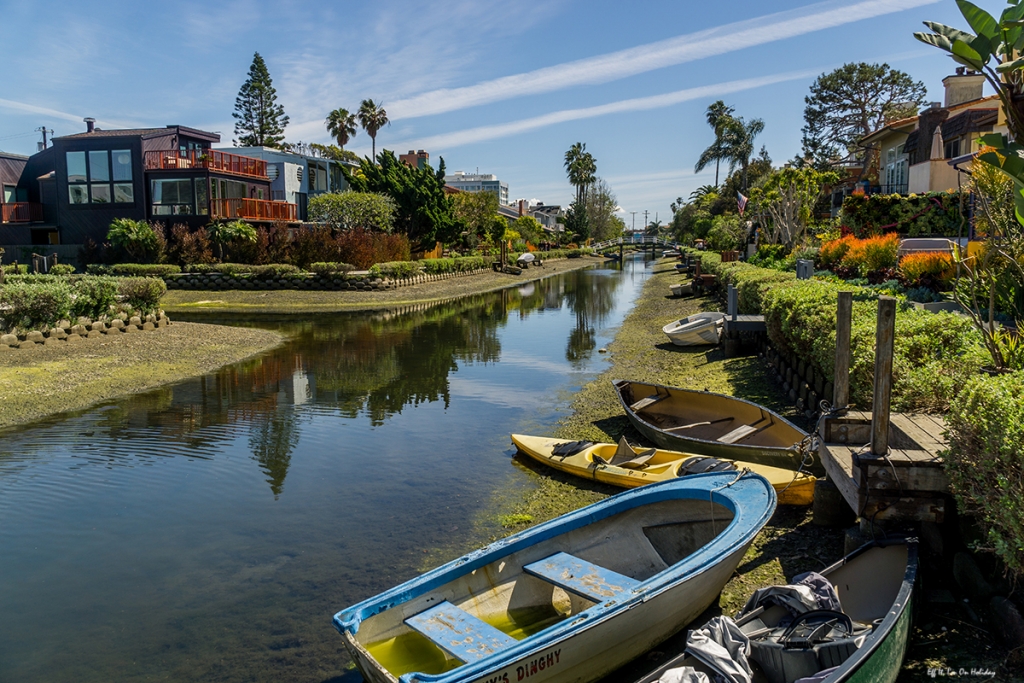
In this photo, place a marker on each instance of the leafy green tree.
(576, 224)
(728, 232)
(342, 126)
(787, 200)
(849, 103)
(718, 115)
(332, 152)
(581, 167)
(372, 118)
(529, 228)
(224, 233)
(601, 206)
(349, 210)
(259, 120)
(137, 238)
(424, 212)
(476, 211)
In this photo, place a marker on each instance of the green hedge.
(31, 302)
(984, 462)
(917, 215)
(331, 268)
(935, 353)
(133, 269)
(462, 264)
(750, 281)
(396, 269)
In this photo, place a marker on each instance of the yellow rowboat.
(629, 467)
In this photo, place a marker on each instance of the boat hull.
(792, 488)
(700, 329)
(689, 406)
(597, 634)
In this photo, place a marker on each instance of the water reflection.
(206, 530)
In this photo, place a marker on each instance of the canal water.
(208, 530)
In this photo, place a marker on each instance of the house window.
(100, 177)
(953, 148)
(173, 197)
(228, 189)
(202, 197)
(9, 194)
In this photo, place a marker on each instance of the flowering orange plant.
(832, 252)
(935, 265)
(872, 253)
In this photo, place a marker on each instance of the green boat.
(715, 425)
(864, 642)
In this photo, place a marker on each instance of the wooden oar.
(698, 424)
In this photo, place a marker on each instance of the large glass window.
(90, 174)
(173, 197)
(202, 200)
(228, 189)
(9, 194)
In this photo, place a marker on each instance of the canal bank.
(44, 380)
(292, 301)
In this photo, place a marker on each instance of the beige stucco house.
(914, 153)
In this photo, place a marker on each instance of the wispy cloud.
(35, 109)
(615, 65)
(482, 133)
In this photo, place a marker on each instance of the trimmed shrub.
(93, 296)
(465, 264)
(435, 266)
(32, 305)
(396, 270)
(141, 293)
(62, 269)
(142, 269)
(935, 354)
(984, 464)
(334, 268)
(275, 270)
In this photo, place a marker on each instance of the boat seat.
(647, 402)
(744, 431)
(580, 577)
(459, 633)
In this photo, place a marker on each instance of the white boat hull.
(697, 330)
(607, 644)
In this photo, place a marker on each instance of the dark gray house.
(172, 175)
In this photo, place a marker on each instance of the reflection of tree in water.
(374, 363)
(591, 298)
(272, 438)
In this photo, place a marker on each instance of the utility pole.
(44, 130)
(632, 230)
(645, 221)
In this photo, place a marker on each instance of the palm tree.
(581, 167)
(718, 116)
(702, 192)
(372, 118)
(738, 138)
(342, 126)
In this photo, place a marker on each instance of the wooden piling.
(885, 333)
(733, 303)
(841, 380)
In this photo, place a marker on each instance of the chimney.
(521, 210)
(963, 86)
(90, 124)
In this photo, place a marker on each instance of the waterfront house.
(172, 175)
(296, 177)
(914, 152)
(15, 208)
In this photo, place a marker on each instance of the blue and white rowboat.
(568, 600)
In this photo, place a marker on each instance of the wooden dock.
(907, 484)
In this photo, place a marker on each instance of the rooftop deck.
(209, 159)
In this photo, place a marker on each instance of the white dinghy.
(696, 330)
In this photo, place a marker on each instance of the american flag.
(741, 202)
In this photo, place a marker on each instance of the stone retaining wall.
(804, 385)
(335, 282)
(66, 331)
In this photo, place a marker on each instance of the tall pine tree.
(259, 120)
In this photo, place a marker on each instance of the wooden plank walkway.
(907, 484)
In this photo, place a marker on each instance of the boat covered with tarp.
(849, 623)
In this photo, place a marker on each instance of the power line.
(18, 135)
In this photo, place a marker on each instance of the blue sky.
(503, 87)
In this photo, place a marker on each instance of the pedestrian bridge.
(634, 239)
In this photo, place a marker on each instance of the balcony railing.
(209, 159)
(254, 209)
(22, 212)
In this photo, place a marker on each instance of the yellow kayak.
(626, 466)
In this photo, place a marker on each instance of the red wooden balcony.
(22, 212)
(210, 159)
(254, 209)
